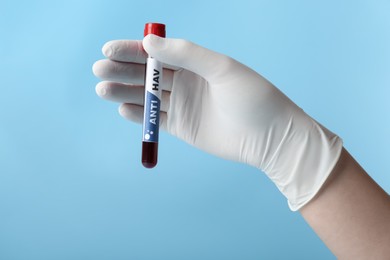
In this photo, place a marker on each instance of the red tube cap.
(155, 28)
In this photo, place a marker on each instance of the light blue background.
(71, 182)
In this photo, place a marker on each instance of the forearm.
(351, 213)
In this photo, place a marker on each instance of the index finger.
(125, 51)
(128, 51)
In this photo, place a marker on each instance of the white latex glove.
(224, 108)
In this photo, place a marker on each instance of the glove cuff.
(303, 161)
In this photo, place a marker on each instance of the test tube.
(153, 81)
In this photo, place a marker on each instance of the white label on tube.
(153, 81)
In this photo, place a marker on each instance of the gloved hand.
(224, 108)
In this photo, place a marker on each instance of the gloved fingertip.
(101, 89)
(96, 68)
(107, 50)
(122, 110)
